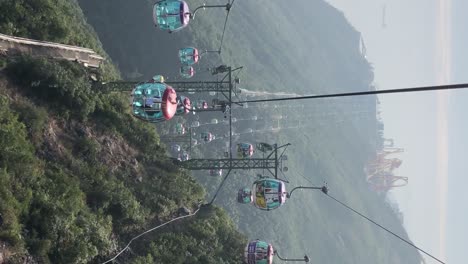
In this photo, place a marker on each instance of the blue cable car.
(202, 104)
(188, 56)
(245, 150)
(187, 72)
(207, 136)
(266, 194)
(154, 102)
(171, 15)
(258, 252)
(244, 196)
(261, 252)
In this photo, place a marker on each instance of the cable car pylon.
(185, 138)
(223, 86)
(272, 163)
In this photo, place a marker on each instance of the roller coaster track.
(13, 46)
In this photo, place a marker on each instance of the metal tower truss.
(225, 164)
(273, 163)
(183, 87)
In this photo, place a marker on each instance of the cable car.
(180, 129)
(157, 79)
(154, 102)
(244, 196)
(184, 156)
(202, 104)
(183, 105)
(216, 172)
(261, 252)
(187, 72)
(188, 56)
(207, 136)
(258, 252)
(268, 194)
(264, 147)
(171, 15)
(195, 124)
(214, 121)
(245, 150)
(175, 148)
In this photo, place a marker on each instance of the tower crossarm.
(119, 86)
(183, 87)
(226, 164)
(185, 139)
(209, 86)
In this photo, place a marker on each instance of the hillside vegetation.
(302, 47)
(79, 175)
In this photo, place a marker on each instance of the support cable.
(377, 224)
(228, 8)
(388, 91)
(219, 188)
(148, 231)
(386, 229)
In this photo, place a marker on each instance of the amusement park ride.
(379, 171)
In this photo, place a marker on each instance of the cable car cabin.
(180, 129)
(154, 102)
(187, 72)
(214, 121)
(268, 194)
(202, 104)
(244, 196)
(258, 252)
(195, 124)
(157, 79)
(245, 150)
(183, 105)
(264, 147)
(216, 172)
(188, 56)
(184, 156)
(175, 148)
(171, 15)
(207, 137)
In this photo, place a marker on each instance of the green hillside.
(79, 175)
(300, 47)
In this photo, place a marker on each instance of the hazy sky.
(423, 43)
